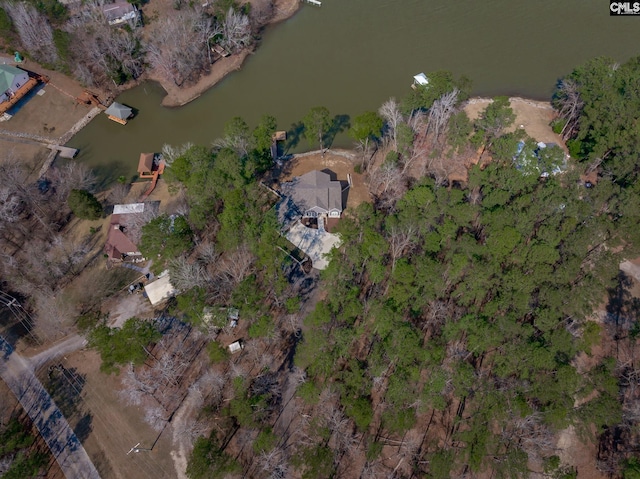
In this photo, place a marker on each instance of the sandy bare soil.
(532, 116)
(49, 115)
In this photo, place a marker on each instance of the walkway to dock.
(154, 181)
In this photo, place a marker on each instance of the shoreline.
(179, 96)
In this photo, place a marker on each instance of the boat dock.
(314, 2)
(64, 151)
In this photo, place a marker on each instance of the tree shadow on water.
(339, 124)
(294, 135)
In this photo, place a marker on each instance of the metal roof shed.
(160, 289)
(420, 79)
(128, 208)
(236, 346)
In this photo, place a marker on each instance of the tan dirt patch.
(533, 117)
(117, 427)
(338, 161)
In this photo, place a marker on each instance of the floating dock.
(314, 2)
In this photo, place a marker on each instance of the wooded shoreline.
(180, 96)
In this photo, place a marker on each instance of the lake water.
(351, 55)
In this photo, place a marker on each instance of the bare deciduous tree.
(118, 193)
(440, 112)
(274, 463)
(172, 50)
(36, 34)
(155, 417)
(136, 387)
(71, 175)
(237, 31)
(193, 429)
(400, 239)
(387, 185)
(171, 153)
(103, 54)
(237, 265)
(390, 111)
(569, 105)
(187, 274)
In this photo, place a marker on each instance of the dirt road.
(65, 346)
(18, 374)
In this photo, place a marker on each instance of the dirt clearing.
(532, 116)
(108, 428)
(48, 111)
(340, 162)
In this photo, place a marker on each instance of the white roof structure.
(420, 79)
(128, 209)
(235, 347)
(160, 289)
(314, 243)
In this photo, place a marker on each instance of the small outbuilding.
(236, 346)
(420, 80)
(145, 165)
(119, 12)
(119, 113)
(160, 289)
(130, 208)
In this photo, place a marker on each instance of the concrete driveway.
(314, 243)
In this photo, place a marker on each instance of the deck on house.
(117, 120)
(19, 95)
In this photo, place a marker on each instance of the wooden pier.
(64, 151)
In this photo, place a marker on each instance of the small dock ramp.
(64, 151)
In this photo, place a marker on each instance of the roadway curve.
(19, 375)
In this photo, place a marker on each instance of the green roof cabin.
(11, 80)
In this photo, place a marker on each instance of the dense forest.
(461, 328)
(457, 332)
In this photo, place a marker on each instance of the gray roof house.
(315, 194)
(120, 12)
